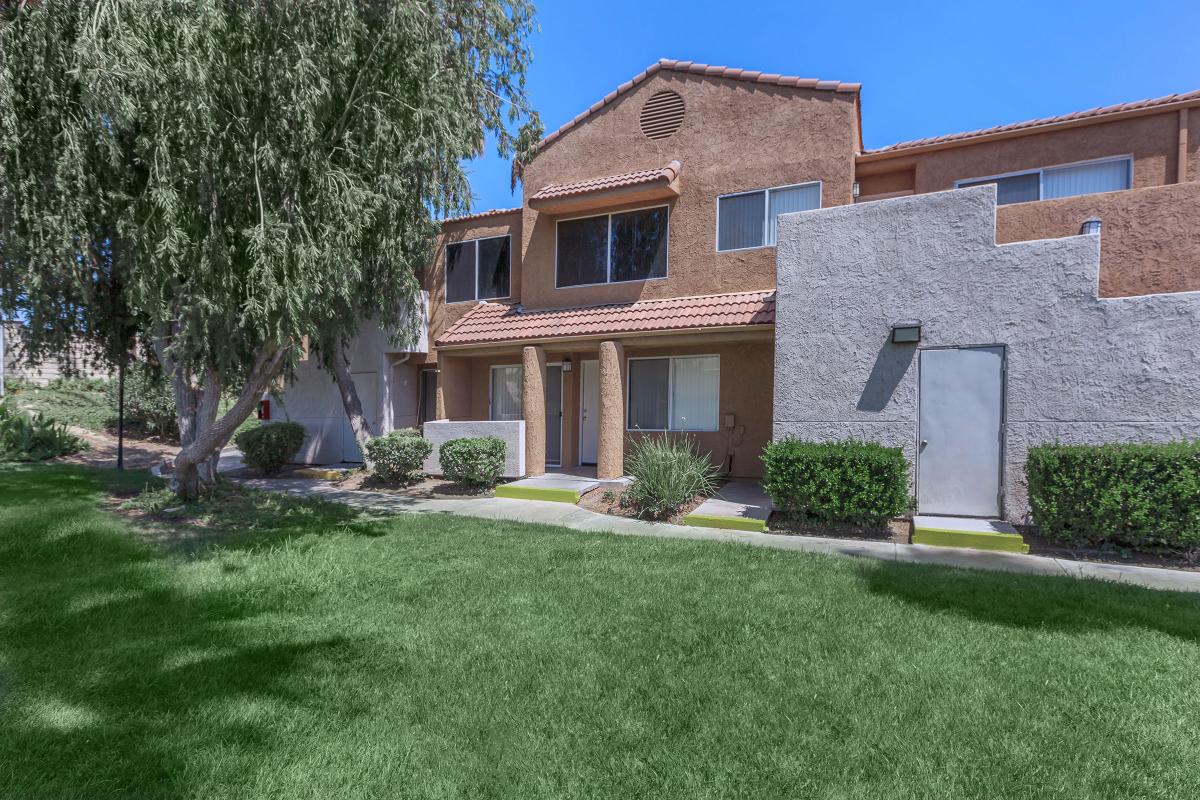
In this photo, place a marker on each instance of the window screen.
(460, 272)
(1102, 176)
(583, 251)
(740, 220)
(695, 383)
(792, 198)
(649, 393)
(639, 245)
(494, 261)
(506, 392)
(1013, 189)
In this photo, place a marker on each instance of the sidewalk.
(579, 519)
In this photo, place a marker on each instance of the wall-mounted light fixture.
(855, 189)
(566, 364)
(906, 331)
(1090, 227)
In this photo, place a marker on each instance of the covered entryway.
(961, 431)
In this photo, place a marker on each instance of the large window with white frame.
(1066, 180)
(673, 394)
(478, 269)
(612, 248)
(505, 393)
(750, 219)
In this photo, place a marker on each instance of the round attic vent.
(662, 115)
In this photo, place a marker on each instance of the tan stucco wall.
(1152, 140)
(443, 315)
(735, 136)
(747, 375)
(1150, 238)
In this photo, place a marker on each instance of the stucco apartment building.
(634, 289)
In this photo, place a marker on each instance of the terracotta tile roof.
(495, 212)
(1102, 111)
(692, 67)
(664, 175)
(501, 322)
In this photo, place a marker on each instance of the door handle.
(924, 442)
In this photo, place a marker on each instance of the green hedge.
(149, 401)
(476, 462)
(847, 482)
(399, 456)
(268, 447)
(1127, 494)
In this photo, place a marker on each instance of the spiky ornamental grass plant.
(267, 171)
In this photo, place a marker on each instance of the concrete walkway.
(579, 519)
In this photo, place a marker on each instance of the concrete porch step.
(555, 488)
(737, 506)
(977, 534)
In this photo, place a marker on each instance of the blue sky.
(926, 68)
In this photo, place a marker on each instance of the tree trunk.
(350, 401)
(201, 434)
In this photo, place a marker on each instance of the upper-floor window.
(478, 269)
(612, 248)
(1068, 180)
(749, 219)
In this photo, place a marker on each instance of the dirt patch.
(608, 501)
(102, 451)
(1188, 561)
(897, 530)
(426, 487)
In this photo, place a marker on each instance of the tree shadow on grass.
(119, 674)
(1033, 602)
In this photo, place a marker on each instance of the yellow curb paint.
(537, 493)
(726, 523)
(976, 540)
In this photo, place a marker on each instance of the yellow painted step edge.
(538, 493)
(726, 523)
(975, 540)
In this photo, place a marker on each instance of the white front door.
(589, 411)
(366, 384)
(961, 431)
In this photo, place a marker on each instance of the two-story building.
(634, 289)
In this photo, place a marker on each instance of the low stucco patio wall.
(512, 432)
(1080, 369)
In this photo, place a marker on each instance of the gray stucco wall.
(1080, 369)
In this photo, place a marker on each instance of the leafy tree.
(269, 169)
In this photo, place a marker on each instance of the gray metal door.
(961, 431)
(554, 383)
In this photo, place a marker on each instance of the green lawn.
(324, 656)
(73, 402)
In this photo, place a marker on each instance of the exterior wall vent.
(662, 115)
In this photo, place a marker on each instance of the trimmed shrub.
(36, 437)
(149, 401)
(473, 461)
(268, 447)
(667, 472)
(847, 482)
(399, 456)
(1126, 494)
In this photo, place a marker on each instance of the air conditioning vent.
(662, 115)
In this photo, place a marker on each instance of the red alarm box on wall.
(264, 409)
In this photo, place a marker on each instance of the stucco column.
(533, 408)
(453, 387)
(610, 455)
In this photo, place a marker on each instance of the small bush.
(667, 471)
(845, 483)
(268, 447)
(149, 401)
(25, 437)
(1125, 494)
(477, 462)
(399, 456)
